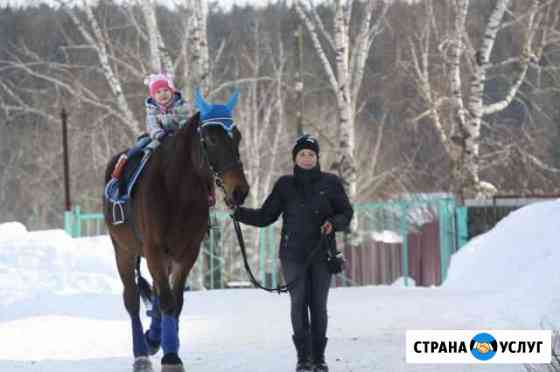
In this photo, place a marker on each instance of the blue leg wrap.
(154, 333)
(169, 336)
(138, 343)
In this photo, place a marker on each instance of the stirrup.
(118, 213)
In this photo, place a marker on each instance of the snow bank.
(12, 230)
(519, 257)
(50, 261)
(386, 236)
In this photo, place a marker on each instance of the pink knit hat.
(159, 81)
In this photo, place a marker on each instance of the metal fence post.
(262, 254)
(462, 226)
(443, 246)
(272, 255)
(403, 206)
(212, 253)
(450, 230)
(77, 223)
(69, 222)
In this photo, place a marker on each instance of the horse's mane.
(182, 164)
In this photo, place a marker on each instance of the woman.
(311, 203)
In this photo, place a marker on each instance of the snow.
(386, 236)
(519, 258)
(50, 261)
(61, 308)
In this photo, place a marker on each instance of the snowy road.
(61, 311)
(240, 330)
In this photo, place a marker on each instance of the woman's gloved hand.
(327, 228)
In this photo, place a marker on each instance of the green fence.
(393, 223)
(78, 224)
(220, 265)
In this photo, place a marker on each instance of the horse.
(168, 219)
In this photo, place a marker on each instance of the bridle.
(218, 173)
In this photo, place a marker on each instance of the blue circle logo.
(483, 346)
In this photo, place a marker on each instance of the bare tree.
(200, 56)
(97, 40)
(457, 108)
(159, 57)
(345, 75)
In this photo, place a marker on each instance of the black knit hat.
(305, 142)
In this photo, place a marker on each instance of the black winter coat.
(302, 219)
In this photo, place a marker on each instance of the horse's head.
(220, 139)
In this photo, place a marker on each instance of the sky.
(61, 308)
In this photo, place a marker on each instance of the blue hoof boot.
(153, 346)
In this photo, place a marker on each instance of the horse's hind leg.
(126, 263)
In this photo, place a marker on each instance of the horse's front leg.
(168, 306)
(153, 334)
(179, 276)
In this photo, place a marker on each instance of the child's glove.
(160, 135)
(182, 110)
(166, 120)
(182, 115)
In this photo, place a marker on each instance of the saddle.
(118, 191)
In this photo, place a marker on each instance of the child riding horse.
(168, 219)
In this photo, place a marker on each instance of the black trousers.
(308, 297)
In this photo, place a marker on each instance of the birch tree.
(97, 40)
(457, 111)
(345, 75)
(196, 71)
(159, 57)
(200, 64)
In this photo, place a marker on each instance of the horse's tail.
(144, 288)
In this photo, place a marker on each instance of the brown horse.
(169, 219)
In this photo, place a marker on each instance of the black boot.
(303, 348)
(319, 364)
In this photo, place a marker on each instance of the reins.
(283, 288)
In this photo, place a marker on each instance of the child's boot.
(119, 167)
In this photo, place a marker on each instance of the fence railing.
(390, 240)
(398, 231)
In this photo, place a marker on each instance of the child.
(166, 111)
(165, 108)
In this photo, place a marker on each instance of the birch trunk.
(471, 126)
(205, 78)
(457, 103)
(159, 58)
(200, 59)
(345, 165)
(99, 44)
(349, 67)
(462, 136)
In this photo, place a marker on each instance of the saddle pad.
(120, 191)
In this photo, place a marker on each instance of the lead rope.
(280, 289)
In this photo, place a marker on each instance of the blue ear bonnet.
(216, 114)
